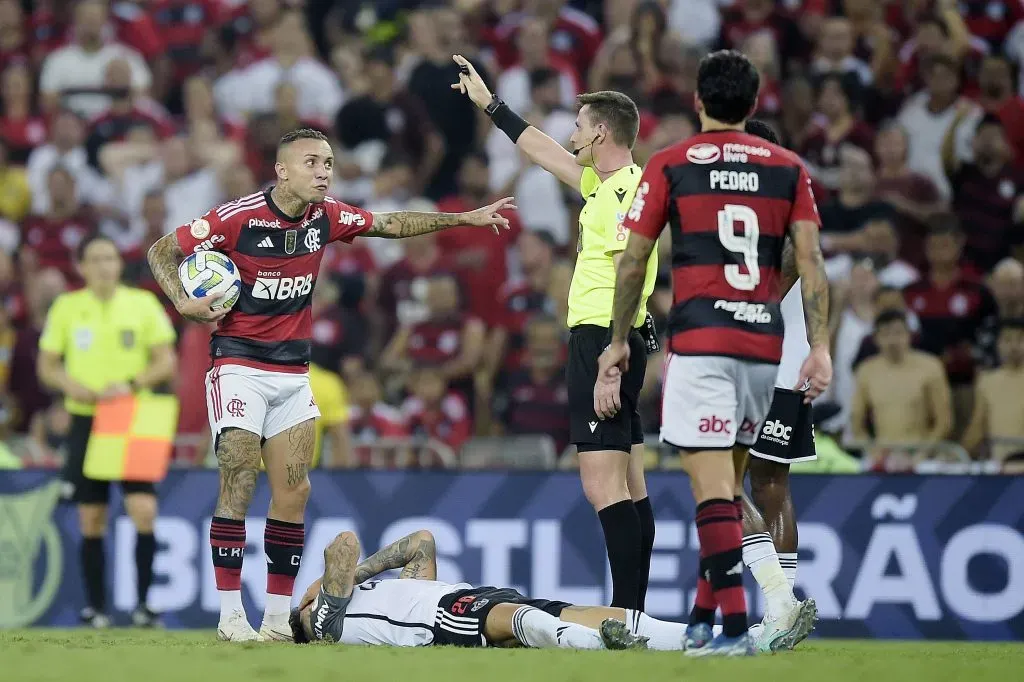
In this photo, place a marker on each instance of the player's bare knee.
(92, 520)
(768, 480)
(424, 536)
(344, 541)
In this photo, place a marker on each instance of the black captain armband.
(506, 120)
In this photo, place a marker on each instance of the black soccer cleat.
(90, 617)
(142, 617)
(616, 636)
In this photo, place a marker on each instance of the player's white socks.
(788, 562)
(277, 608)
(662, 635)
(230, 603)
(760, 557)
(540, 630)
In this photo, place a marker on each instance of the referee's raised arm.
(540, 148)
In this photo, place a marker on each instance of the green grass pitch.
(195, 656)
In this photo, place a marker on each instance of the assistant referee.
(99, 342)
(611, 451)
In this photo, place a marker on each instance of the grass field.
(195, 656)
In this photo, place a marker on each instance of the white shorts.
(714, 402)
(258, 401)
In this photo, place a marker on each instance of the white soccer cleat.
(236, 628)
(789, 629)
(276, 630)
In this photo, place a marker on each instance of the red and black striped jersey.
(729, 199)
(278, 259)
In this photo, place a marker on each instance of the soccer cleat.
(236, 628)
(142, 617)
(697, 635)
(616, 636)
(276, 631)
(94, 619)
(788, 630)
(726, 646)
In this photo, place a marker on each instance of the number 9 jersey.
(729, 199)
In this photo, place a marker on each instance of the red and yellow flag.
(132, 438)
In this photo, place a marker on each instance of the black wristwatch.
(493, 106)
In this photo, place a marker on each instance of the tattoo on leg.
(296, 472)
(238, 456)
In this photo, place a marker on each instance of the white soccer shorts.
(258, 401)
(714, 402)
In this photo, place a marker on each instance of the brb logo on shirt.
(274, 288)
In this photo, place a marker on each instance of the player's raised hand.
(470, 83)
(489, 216)
(815, 373)
(198, 309)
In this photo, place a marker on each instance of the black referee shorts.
(87, 490)
(586, 431)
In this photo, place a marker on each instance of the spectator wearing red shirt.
(253, 23)
(997, 96)
(834, 52)
(199, 108)
(32, 398)
(480, 257)
(127, 23)
(751, 16)
(50, 240)
(134, 244)
(447, 339)
(21, 128)
(950, 304)
(403, 286)
(182, 25)
(521, 299)
(939, 34)
(339, 331)
(435, 412)
(913, 196)
(574, 35)
(839, 126)
(535, 399)
(988, 194)
(990, 20)
(761, 49)
(14, 34)
(127, 110)
(533, 53)
(370, 419)
(190, 387)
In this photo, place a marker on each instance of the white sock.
(540, 630)
(278, 607)
(230, 603)
(788, 562)
(662, 635)
(760, 557)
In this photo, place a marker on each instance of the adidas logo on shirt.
(266, 243)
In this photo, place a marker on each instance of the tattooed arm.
(340, 560)
(415, 554)
(402, 224)
(789, 271)
(816, 372)
(164, 258)
(629, 284)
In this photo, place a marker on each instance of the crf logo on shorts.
(236, 408)
(282, 288)
(714, 424)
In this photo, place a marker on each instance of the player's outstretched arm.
(402, 224)
(816, 373)
(415, 554)
(540, 148)
(340, 559)
(164, 258)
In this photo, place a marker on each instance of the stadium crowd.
(132, 117)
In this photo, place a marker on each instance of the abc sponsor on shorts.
(872, 552)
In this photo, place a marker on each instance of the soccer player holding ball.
(258, 395)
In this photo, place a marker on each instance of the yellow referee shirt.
(104, 342)
(601, 236)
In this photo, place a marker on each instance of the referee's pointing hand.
(470, 83)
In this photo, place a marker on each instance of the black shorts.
(787, 435)
(87, 490)
(586, 431)
(461, 615)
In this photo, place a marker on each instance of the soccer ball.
(209, 273)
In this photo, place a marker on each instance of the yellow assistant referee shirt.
(104, 342)
(601, 236)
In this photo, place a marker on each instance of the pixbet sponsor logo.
(259, 222)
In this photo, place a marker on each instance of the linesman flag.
(132, 438)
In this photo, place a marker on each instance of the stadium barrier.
(938, 557)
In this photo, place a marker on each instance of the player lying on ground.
(346, 606)
(258, 395)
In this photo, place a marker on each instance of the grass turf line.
(156, 656)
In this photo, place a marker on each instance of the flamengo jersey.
(278, 258)
(729, 199)
(395, 612)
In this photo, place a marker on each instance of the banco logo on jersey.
(777, 432)
(26, 529)
(742, 311)
(281, 288)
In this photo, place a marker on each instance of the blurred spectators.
(998, 411)
(840, 126)
(50, 240)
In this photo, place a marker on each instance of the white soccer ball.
(209, 273)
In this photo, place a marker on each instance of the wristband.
(506, 120)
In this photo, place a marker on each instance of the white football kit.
(395, 612)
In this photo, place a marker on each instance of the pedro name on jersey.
(278, 259)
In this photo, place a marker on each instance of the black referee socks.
(621, 525)
(646, 514)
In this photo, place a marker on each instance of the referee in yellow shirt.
(611, 451)
(99, 342)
